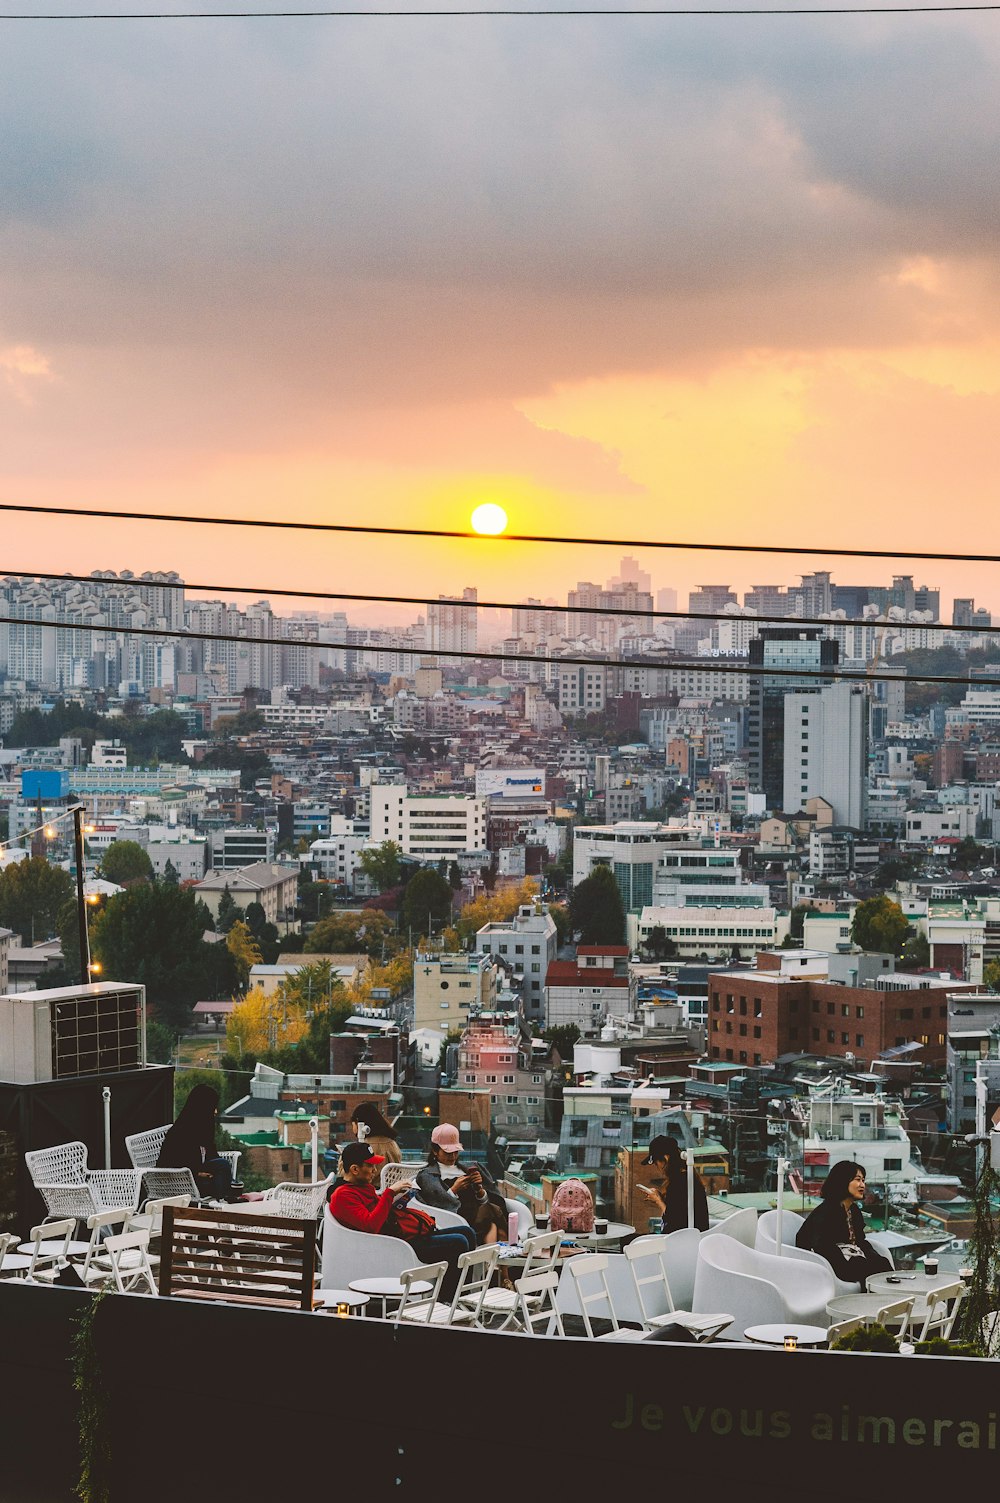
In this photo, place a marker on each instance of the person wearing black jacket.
(671, 1198)
(190, 1144)
(470, 1191)
(836, 1228)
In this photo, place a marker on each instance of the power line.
(741, 666)
(874, 622)
(508, 537)
(363, 15)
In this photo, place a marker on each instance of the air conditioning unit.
(71, 1031)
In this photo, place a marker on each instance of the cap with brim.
(359, 1153)
(657, 1150)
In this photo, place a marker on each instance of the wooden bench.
(211, 1254)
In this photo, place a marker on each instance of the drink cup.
(542, 1222)
(931, 1266)
(601, 1228)
(965, 1274)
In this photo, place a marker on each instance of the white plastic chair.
(587, 1272)
(741, 1224)
(680, 1260)
(790, 1223)
(395, 1174)
(652, 1289)
(759, 1289)
(163, 1183)
(348, 1254)
(442, 1217)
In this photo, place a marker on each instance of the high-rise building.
(452, 623)
(530, 619)
(785, 648)
(631, 575)
(710, 599)
(826, 750)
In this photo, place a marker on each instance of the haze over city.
(699, 278)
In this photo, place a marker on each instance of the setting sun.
(489, 519)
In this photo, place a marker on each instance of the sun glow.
(489, 519)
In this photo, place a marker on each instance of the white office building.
(527, 943)
(429, 826)
(826, 751)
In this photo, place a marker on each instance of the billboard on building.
(44, 783)
(510, 782)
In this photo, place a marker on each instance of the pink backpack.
(572, 1208)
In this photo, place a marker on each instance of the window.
(536, 949)
(845, 1038)
(845, 1011)
(893, 1164)
(756, 1059)
(743, 1007)
(859, 1012)
(756, 1032)
(490, 1079)
(512, 1101)
(743, 1030)
(518, 949)
(831, 1008)
(578, 1127)
(830, 1036)
(859, 1040)
(536, 1080)
(470, 1080)
(743, 1056)
(758, 1007)
(508, 1080)
(532, 1100)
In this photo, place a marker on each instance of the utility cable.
(876, 622)
(739, 666)
(363, 15)
(507, 537)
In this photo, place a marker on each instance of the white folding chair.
(540, 1253)
(536, 1295)
(51, 1248)
(476, 1270)
(419, 1304)
(13, 1265)
(102, 1225)
(844, 1328)
(645, 1254)
(589, 1273)
(940, 1311)
(151, 1219)
(897, 1317)
(129, 1261)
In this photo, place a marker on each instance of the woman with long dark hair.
(369, 1126)
(670, 1198)
(836, 1228)
(190, 1144)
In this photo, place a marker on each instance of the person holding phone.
(670, 1196)
(470, 1191)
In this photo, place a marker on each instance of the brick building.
(756, 1016)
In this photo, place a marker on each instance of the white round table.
(858, 1306)
(901, 1285)
(327, 1300)
(805, 1336)
(615, 1232)
(49, 1249)
(386, 1289)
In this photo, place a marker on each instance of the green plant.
(94, 1485)
(938, 1347)
(984, 1258)
(866, 1339)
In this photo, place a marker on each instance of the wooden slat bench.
(210, 1254)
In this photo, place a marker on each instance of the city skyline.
(692, 278)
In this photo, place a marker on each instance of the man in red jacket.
(356, 1204)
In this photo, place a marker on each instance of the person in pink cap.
(470, 1190)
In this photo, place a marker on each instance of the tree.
(228, 912)
(798, 918)
(490, 908)
(426, 901)
(916, 951)
(969, 854)
(242, 947)
(260, 1023)
(382, 866)
(125, 862)
(265, 935)
(32, 893)
(153, 935)
(596, 909)
(347, 933)
(658, 944)
(879, 924)
(991, 975)
(562, 1038)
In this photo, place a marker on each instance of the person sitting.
(836, 1228)
(355, 1203)
(671, 1197)
(190, 1144)
(369, 1126)
(469, 1191)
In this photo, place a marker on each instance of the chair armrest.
(69, 1200)
(116, 1189)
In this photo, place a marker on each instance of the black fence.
(64, 1111)
(225, 1402)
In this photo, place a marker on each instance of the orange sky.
(717, 283)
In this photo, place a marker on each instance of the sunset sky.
(717, 279)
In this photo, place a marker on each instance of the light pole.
(81, 904)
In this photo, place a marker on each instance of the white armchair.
(759, 1289)
(767, 1227)
(680, 1260)
(741, 1224)
(351, 1255)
